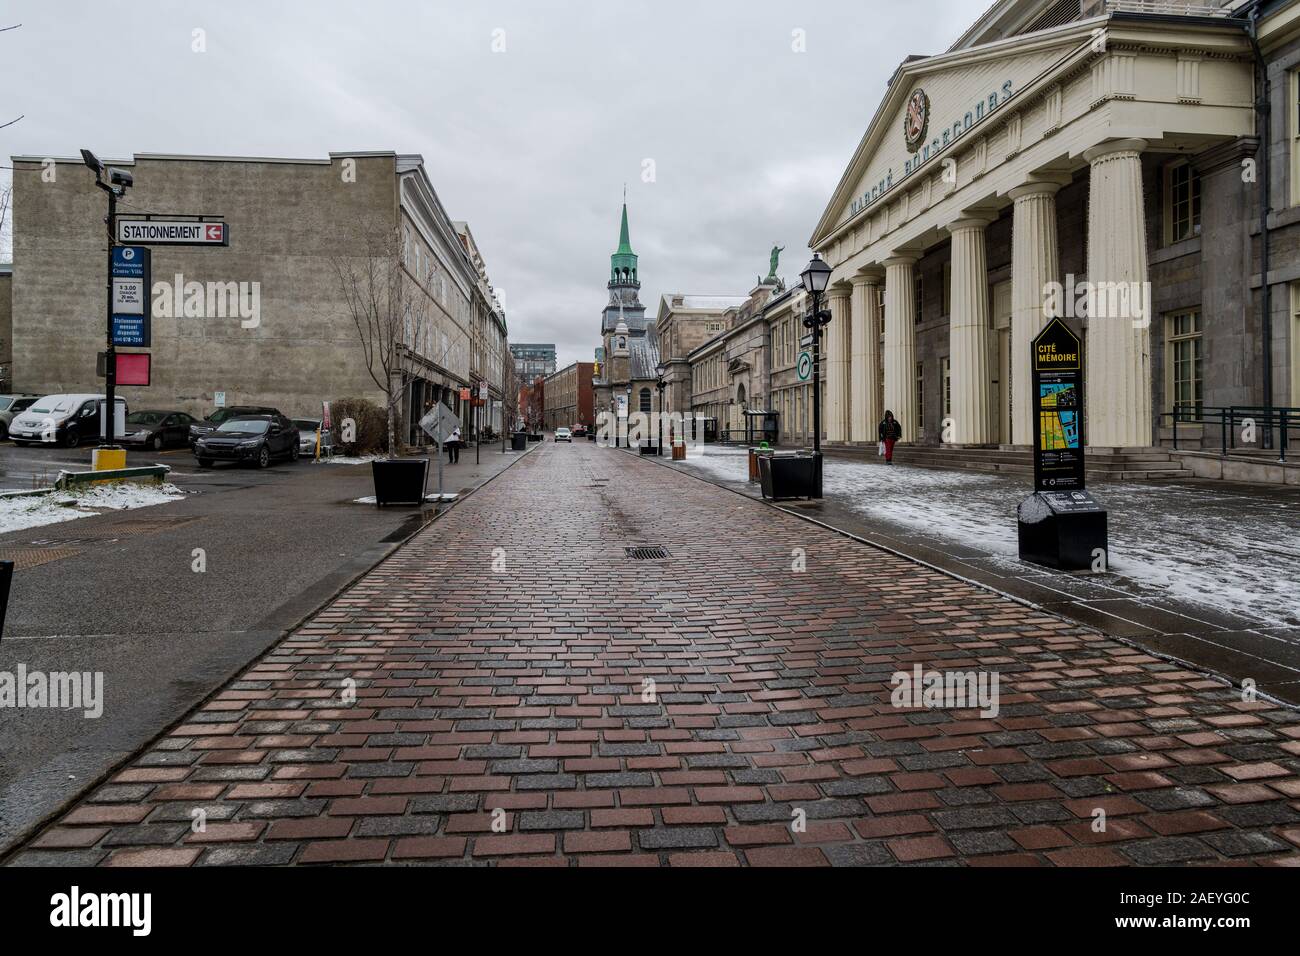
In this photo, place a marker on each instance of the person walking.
(453, 446)
(889, 432)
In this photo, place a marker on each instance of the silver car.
(11, 405)
(307, 428)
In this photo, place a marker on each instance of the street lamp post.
(627, 419)
(660, 385)
(119, 181)
(815, 276)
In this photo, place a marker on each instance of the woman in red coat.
(889, 431)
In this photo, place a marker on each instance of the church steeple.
(623, 262)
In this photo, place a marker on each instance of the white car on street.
(563, 434)
(66, 420)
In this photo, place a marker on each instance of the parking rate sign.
(131, 322)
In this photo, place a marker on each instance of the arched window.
(740, 395)
(645, 400)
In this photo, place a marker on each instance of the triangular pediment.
(937, 105)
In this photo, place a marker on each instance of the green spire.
(624, 242)
(623, 262)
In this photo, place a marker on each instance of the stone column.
(900, 343)
(836, 346)
(969, 334)
(1118, 356)
(864, 415)
(1034, 264)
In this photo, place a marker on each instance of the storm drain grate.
(24, 558)
(646, 554)
(114, 530)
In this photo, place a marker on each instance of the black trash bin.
(788, 475)
(519, 441)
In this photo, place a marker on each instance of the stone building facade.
(291, 222)
(1058, 148)
(569, 397)
(685, 322)
(6, 326)
(629, 341)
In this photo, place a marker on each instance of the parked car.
(579, 431)
(11, 405)
(157, 429)
(307, 428)
(563, 434)
(254, 439)
(214, 419)
(66, 420)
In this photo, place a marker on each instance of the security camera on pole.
(108, 455)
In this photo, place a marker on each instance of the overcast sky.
(531, 145)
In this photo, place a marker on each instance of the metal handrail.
(1282, 417)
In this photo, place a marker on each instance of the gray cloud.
(532, 145)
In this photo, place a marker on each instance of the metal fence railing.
(1232, 420)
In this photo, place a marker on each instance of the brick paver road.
(522, 698)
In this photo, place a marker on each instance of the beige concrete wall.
(6, 329)
(286, 220)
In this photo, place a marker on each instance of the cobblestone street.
(527, 692)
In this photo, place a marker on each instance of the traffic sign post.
(438, 423)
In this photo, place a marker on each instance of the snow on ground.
(1223, 547)
(35, 510)
(351, 460)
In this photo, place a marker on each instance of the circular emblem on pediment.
(916, 120)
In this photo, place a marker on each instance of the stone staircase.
(1104, 464)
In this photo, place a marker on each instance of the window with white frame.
(1182, 202)
(1184, 351)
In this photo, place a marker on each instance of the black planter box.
(647, 449)
(1064, 530)
(519, 441)
(535, 436)
(591, 436)
(788, 476)
(400, 481)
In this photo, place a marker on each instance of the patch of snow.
(33, 511)
(351, 460)
(1223, 548)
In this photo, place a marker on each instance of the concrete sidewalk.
(117, 594)
(543, 691)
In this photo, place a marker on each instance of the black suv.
(212, 421)
(254, 439)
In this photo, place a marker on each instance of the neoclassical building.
(1060, 147)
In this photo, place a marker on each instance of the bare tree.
(391, 311)
(6, 200)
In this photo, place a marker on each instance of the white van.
(67, 420)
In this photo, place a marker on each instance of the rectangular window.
(918, 284)
(947, 289)
(1182, 202)
(920, 399)
(1184, 353)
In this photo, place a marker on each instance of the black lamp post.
(119, 181)
(815, 276)
(627, 419)
(660, 385)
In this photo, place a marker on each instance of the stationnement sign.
(173, 232)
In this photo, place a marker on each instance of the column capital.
(871, 276)
(901, 260)
(841, 290)
(968, 223)
(1102, 150)
(1036, 187)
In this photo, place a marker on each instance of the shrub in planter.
(371, 435)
